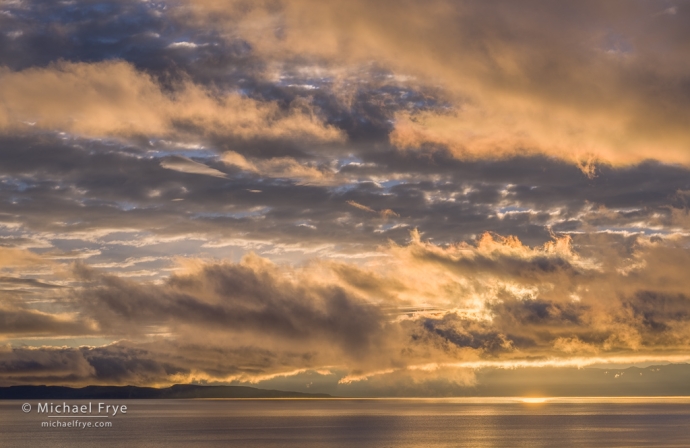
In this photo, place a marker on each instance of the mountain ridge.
(176, 391)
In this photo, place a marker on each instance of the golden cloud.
(519, 78)
(113, 99)
(281, 167)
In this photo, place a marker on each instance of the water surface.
(361, 423)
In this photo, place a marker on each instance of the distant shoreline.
(178, 391)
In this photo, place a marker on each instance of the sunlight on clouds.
(419, 198)
(499, 304)
(185, 165)
(281, 167)
(114, 99)
(517, 83)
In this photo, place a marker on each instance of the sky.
(373, 198)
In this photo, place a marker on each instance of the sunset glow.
(376, 199)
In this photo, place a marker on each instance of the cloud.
(113, 99)
(385, 213)
(253, 295)
(185, 165)
(12, 257)
(519, 79)
(361, 207)
(22, 366)
(17, 322)
(281, 167)
(419, 308)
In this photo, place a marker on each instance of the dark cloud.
(19, 322)
(468, 333)
(247, 297)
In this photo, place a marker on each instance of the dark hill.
(133, 392)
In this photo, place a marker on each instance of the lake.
(361, 423)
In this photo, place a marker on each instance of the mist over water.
(364, 423)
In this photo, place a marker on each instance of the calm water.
(360, 423)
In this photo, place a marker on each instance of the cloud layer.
(420, 311)
(583, 82)
(380, 199)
